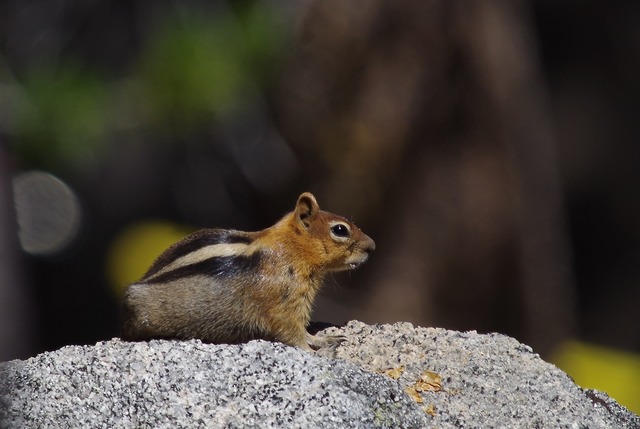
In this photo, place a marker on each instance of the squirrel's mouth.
(352, 263)
(346, 267)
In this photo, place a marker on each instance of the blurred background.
(490, 148)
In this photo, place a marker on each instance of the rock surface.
(384, 376)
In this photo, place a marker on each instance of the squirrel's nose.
(369, 245)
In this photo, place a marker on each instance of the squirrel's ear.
(306, 208)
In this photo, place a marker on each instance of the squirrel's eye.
(340, 230)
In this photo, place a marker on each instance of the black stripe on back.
(220, 266)
(195, 241)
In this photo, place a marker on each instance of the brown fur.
(263, 285)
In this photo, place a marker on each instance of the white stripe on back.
(204, 253)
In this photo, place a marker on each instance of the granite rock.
(373, 379)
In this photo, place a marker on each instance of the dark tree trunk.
(429, 118)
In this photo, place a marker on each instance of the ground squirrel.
(228, 286)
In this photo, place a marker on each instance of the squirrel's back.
(227, 286)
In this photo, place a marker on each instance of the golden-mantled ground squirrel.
(227, 286)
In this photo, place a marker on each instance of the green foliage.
(198, 66)
(265, 40)
(62, 116)
(192, 68)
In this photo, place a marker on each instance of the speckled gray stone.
(170, 384)
(487, 381)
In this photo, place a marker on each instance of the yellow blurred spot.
(135, 248)
(596, 367)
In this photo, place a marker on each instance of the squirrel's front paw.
(324, 341)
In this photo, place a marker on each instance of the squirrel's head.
(330, 241)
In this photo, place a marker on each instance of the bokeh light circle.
(47, 210)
